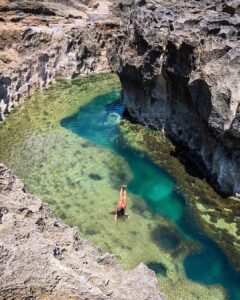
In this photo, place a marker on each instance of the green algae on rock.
(215, 214)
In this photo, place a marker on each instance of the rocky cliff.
(41, 40)
(42, 258)
(179, 67)
(178, 62)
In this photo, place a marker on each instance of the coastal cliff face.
(179, 67)
(42, 258)
(178, 63)
(42, 40)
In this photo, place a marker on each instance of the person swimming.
(122, 204)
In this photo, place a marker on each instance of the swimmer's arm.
(115, 218)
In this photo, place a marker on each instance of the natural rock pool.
(69, 146)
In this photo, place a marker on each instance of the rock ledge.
(42, 258)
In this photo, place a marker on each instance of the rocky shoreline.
(178, 63)
(40, 257)
(40, 42)
(179, 67)
(43, 258)
(181, 77)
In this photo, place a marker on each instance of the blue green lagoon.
(71, 146)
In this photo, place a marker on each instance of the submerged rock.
(158, 268)
(166, 238)
(42, 258)
(95, 176)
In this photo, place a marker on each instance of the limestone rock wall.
(40, 257)
(40, 41)
(178, 62)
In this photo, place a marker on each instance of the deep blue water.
(98, 121)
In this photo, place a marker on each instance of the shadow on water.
(98, 122)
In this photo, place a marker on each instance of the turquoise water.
(98, 121)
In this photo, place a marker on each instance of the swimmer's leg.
(119, 204)
(124, 198)
(115, 218)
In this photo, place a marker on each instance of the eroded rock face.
(42, 258)
(179, 64)
(41, 40)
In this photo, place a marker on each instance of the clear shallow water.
(66, 146)
(98, 122)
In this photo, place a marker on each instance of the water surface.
(207, 265)
(67, 146)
